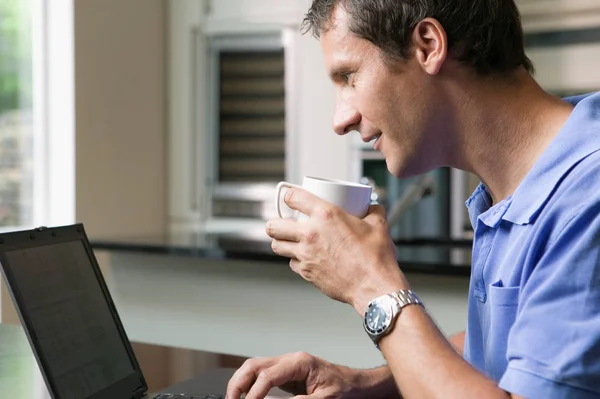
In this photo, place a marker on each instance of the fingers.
(244, 377)
(258, 376)
(320, 395)
(270, 378)
(287, 369)
(295, 266)
(283, 229)
(304, 201)
(286, 234)
(376, 215)
(285, 248)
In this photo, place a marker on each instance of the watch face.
(377, 317)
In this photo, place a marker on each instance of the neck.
(504, 128)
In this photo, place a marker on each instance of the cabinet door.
(552, 15)
(567, 70)
(187, 64)
(247, 15)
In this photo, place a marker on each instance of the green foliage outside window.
(16, 138)
(15, 55)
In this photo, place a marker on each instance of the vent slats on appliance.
(252, 116)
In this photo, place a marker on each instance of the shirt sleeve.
(553, 348)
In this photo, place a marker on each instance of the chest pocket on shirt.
(502, 302)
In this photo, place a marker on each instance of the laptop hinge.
(138, 393)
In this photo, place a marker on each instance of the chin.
(397, 169)
(404, 170)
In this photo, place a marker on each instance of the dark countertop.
(20, 378)
(425, 255)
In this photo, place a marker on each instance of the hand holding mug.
(339, 243)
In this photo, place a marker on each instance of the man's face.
(397, 104)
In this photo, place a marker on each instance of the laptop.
(69, 317)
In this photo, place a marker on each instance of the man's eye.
(346, 77)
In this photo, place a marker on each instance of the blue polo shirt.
(534, 296)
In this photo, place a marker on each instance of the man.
(446, 83)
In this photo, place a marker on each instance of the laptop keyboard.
(182, 396)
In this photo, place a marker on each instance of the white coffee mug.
(353, 198)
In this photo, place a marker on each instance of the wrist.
(381, 287)
(377, 383)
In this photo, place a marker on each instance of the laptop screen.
(72, 320)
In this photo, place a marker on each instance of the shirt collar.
(578, 138)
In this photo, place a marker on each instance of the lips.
(377, 143)
(368, 139)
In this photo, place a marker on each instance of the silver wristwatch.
(382, 312)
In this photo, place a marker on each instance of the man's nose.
(345, 118)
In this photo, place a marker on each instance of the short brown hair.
(485, 34)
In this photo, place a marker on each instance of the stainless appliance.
(244, 201)
(246, 156)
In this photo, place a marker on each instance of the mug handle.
(278, 189)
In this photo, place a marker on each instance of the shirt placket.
(485, 236)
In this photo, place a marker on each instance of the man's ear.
(430, 45)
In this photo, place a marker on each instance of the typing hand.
(299, 374)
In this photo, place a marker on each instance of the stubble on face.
(391, 96)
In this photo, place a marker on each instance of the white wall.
(120, 80)
(320, 151)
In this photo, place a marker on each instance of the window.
(37, 137)
(16, 127)
(37, 134)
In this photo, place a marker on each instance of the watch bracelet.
(407, 297)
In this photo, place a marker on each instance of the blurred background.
(153, 120)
